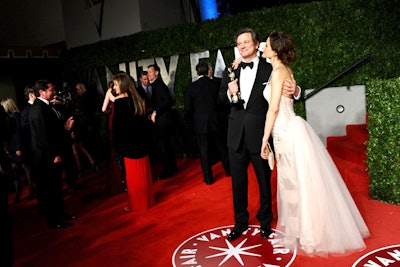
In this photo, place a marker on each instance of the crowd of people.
(40, 143)
(233, 120)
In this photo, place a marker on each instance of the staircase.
(349, 154)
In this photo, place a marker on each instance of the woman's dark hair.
(282, 44)
(127, 85)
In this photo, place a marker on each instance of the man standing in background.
(48, 136)
(201, 110)
(162, 116)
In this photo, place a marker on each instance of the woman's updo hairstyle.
(282, 44)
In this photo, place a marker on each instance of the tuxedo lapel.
(258, 86)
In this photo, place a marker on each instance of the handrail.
(335, 78)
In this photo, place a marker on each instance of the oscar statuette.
(236, 99)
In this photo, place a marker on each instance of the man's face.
(268, 52)
(80, 88)
(210, 72)
(144, 80)
(247, 48)
(152, 74)
(49, 93)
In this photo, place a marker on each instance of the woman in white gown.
(315, 209)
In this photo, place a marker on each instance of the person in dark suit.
(162, 116)
(30, 96)
(48, 137)
(245, 131)
(145, 85)
(201, 111)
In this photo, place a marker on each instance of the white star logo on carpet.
(234, 251)
(211, 248)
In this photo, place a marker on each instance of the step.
(345, 148)
(358, 133)
(355, 176)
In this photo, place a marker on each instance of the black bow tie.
(244, 65)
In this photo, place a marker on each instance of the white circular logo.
(211, 248)
(386, 256)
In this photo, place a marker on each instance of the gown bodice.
(285, 114)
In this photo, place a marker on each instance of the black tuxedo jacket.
(248, 123)
(143, 94)
(162, 102)
(47, 133)
(201, 106)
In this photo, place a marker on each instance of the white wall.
(331, 109)
(39, 23)
(120, 18)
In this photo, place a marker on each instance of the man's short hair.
(202, 68)
(157, 68)
(40, 85)
(29, 90)
(254, 35)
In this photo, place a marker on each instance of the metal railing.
(335, 78)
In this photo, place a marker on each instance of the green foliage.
(330, 36)
(383, 151)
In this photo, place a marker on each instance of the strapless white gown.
(315, 209)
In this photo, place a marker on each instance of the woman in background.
(15, 149)
(131, 134)
(80, 134)
(116, 161)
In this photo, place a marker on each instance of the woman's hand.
(236, 63)
(264, 150)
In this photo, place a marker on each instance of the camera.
(64, 95)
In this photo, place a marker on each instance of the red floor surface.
(105, 235)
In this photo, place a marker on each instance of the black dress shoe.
(59, 225)
(236, 232)
(209, 181)
(265, 231)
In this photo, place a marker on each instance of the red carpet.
(105, 235)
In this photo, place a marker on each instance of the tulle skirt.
(315, 208)
(139, 181)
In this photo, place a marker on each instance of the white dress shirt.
(246, 81)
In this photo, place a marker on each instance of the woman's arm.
(276, 92)
(108, 97)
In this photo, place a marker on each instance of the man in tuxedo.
(30, 96)
(246, 130)
(201, 111)
(48, 137)
(162, 116)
